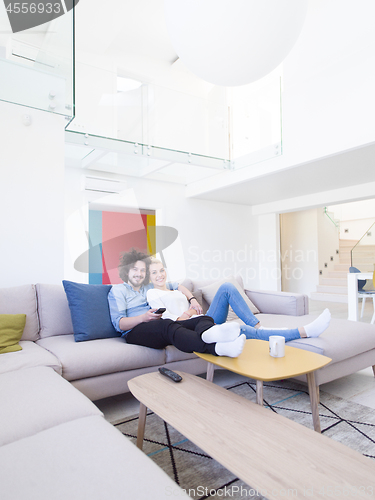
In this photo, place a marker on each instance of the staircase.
(333, 285)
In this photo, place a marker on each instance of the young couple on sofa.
(144, 289)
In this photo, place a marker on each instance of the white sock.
(226, 332)
(320, 324)
(231, 349)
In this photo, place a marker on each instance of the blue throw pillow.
(89, 310)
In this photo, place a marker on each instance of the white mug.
(277, 346)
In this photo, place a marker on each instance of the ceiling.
(346, 169)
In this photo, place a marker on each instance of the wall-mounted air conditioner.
(103, 185)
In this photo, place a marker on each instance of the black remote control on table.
(170, 374)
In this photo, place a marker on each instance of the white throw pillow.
(210, 291)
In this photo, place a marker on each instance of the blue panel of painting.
(95, 251)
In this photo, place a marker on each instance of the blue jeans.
(265, 333)
(228, 295)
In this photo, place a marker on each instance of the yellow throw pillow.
(11, 330)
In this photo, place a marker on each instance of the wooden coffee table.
(270, 453)
(255, 362)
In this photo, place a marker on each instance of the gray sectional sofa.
(101, 368)
(56, 445)
(58, 438)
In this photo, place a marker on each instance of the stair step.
(366, 257)
(334, 282)
(338, 274)
(342, 290)
(347, 243)
(365, 248)
(345, 257)
(341, 267)
(329, 297)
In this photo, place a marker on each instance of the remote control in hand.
(170, 374)
(160, 310)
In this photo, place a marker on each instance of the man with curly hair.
(132, 316)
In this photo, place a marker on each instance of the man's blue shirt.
(125, 302)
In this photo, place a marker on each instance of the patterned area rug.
(202, 477)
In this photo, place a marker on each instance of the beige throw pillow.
(210, 291)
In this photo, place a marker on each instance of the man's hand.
(151, 316)
(194, 304)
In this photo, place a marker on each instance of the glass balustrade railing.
(212, 127)
(37, 65)
(363, 253)
(138, 160)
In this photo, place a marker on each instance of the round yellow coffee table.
(255, 362)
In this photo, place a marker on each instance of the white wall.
(308, 241)
(357, 229)
(329, 77)
(269, 252)
(215, 240)
(31, 196)
(299, 251)
(355, 219)
(218, 239)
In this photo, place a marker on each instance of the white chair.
(363, 294)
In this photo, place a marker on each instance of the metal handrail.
(329, 217)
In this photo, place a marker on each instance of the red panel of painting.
(120, 232)
(144, 219)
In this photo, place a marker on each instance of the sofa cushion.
(82, 459)
(210, 291)
(197, 286)
(173, 354)
(53, 309)
(343, 339)
(37, 399)
(31, 356)
(89, 311)
(273, 302)
(22, 300)
(11, 330)
(99, 357)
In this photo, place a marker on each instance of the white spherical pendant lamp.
(233, 42)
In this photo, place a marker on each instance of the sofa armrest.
(269, 302)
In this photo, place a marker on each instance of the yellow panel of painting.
(151, 234)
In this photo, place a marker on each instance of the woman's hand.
(192, 301)
(194, 304)
(192, 311)
(187, 315)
